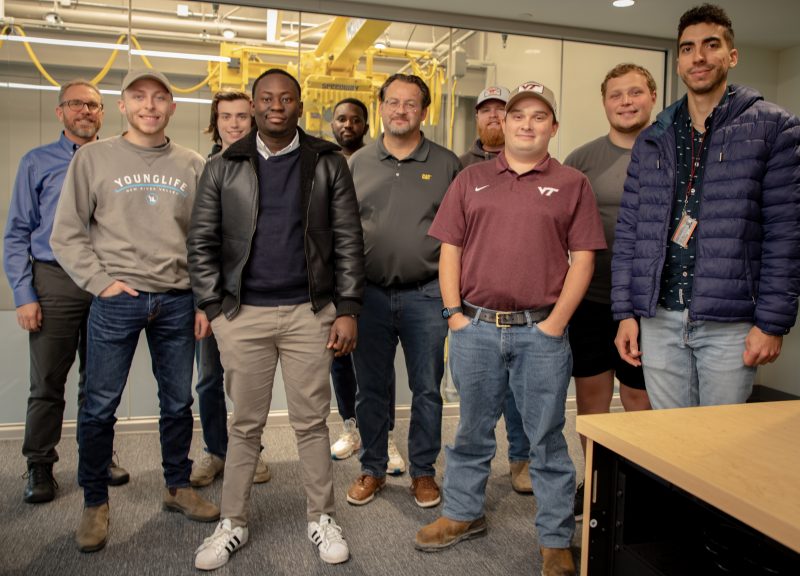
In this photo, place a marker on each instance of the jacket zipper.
(249, 246)
(305, 238)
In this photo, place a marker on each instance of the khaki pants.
(250, 346)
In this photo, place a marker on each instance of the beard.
(491, 136)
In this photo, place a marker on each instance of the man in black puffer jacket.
(276, 259)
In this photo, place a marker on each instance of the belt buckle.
(497, 320)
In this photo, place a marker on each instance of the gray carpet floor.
(143, 540)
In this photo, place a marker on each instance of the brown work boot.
(426, 492)
(190, 504)
(445, 532)
(92, 532)
(363, 490)
(557, 562)
(521, 477)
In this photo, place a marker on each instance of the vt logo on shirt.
(546, 190)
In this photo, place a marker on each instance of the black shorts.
(591, 335)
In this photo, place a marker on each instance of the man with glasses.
(400, 181)
(49, 304)
(120, 233)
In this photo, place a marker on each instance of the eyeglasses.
(77, 105)
(394, 104)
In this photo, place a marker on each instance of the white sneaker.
(327, 535)
(348, 442)
(217, 548)
(396, 465)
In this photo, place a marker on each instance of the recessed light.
(623, 3)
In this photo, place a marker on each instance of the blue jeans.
(114, 327)
(485, 362)
(694, 363)
(518, 446)
(211, 397)
(414, 317)
(343, 375)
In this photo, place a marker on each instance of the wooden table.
(743, 460)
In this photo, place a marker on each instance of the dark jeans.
(211, 397)
(343, 375)
(65, 308)
(412, 316)
(114, 327)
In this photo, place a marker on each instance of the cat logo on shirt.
(426, 176)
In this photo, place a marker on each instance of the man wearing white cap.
(489, 112)
(120, 233)
(518, 238)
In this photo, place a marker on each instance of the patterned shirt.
(691, 152)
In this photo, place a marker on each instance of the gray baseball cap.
(533, 89)
(500, 93)
(135, 75)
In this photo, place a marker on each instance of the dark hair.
(622, 69)
(707, 14)
(277, 71)
(222, 96)
(355, 102)
(410, 79)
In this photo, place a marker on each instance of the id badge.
(684, 231)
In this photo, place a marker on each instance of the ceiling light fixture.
(180, 55)
(623, 3)
(49, 88)
(229, 33)
(53, 19)
(73, 43)
(183, 11)
(272, 25)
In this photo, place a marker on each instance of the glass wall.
(204, 46)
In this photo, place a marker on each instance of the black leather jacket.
(225, 215)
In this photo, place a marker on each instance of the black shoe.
(578, 506)
(41, 486)
(117, 476)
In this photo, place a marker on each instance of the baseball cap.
(536, 90)
(135, 75)
(493, 93)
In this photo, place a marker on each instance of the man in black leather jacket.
(276, 262)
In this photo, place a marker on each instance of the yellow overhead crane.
(328, 73)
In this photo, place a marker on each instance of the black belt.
(506, 319)
(411, 285)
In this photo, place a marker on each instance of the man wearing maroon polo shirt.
(518, 238)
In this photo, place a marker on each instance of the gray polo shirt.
(398, 200)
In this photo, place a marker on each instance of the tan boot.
(521, 477)
(262, 473)
(190, 504)
(557, 562)
(92, 532)
(446, 532)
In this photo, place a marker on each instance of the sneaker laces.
(330, 533)
(220, 539)
(38, 473)
(392, 451)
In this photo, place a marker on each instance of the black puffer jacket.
(225, 215)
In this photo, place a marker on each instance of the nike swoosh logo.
(479, 188)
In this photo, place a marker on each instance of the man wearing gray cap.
(120, 233)
(518, 238)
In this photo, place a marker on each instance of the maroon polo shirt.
(517, 230)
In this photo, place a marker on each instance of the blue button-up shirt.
(37, 189)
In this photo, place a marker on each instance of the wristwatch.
(447, 312)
